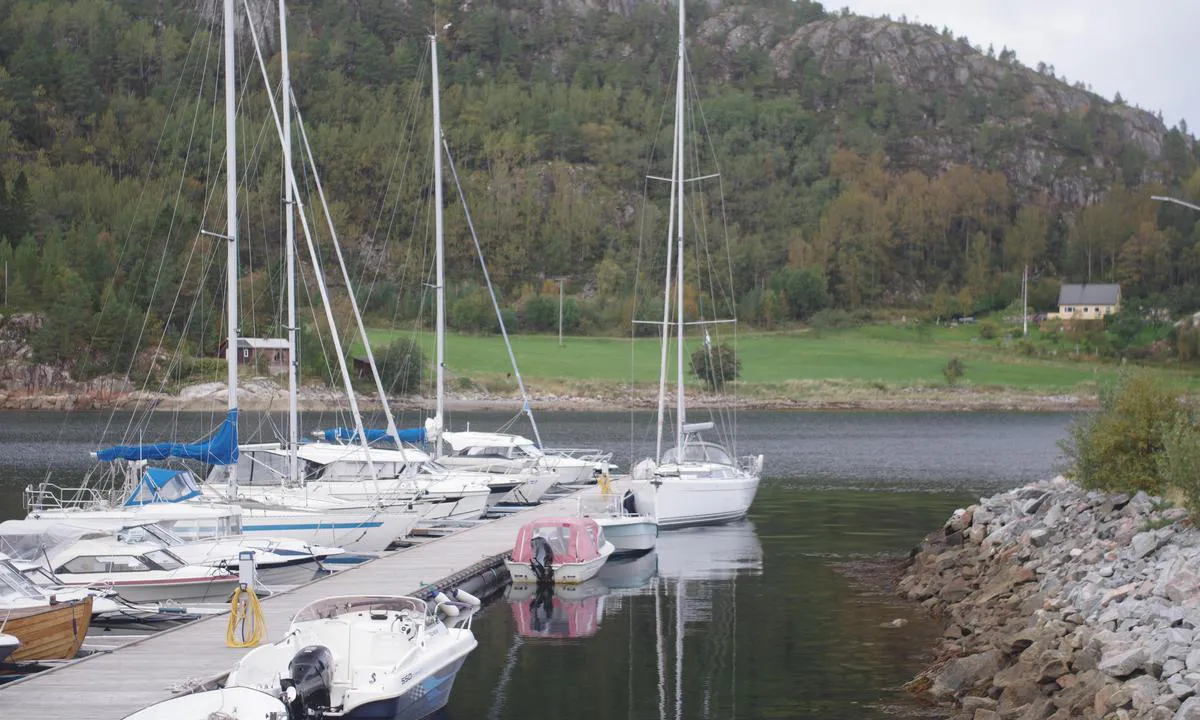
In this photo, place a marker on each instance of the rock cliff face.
(1062, 603)
(937, 69)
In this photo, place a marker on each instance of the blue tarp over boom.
(219, 449)
(410, 435)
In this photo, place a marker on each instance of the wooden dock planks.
(115, 684)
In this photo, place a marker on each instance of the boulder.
(961, 674)
(1189, 710)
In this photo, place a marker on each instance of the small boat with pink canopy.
(559, 550)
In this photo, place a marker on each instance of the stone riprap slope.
(1060, 603)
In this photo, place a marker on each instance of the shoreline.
(265, 395)
(1057, 602)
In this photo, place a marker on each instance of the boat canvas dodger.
(566, 550)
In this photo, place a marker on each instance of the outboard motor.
(307, 689)
(543, 560)
(628, 502)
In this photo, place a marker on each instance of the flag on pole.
(707, 339)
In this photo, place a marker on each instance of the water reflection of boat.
(711, 552)
(558, 611)
(629, 573)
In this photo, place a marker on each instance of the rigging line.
(410, 126)
(495, 304)
(202, 73)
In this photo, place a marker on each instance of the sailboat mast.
(679, 182)
(440, 280)
(290, 253)
(231, 225)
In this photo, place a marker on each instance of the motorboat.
(631, 532)
(567, 550)
(45, 628)
(238, 703)
(8, 646)
(90, 557)
(696, 482)
(346, 657)
(372, 475)
(278, 561)
(505, 453)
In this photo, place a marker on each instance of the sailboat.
(329, 522)
(695, 482)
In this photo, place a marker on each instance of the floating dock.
(111, 685)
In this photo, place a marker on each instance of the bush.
(716, 365)
(1117, 448)
(989, 330)
(1179, 463)
(831, 320)
(473, 313)
(402, 366)
(955, 369)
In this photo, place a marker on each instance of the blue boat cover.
(219, 449)
(408, 435)
(163, 485)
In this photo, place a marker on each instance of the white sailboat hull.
(531, 491)
(362, 531)
(687, 499)
(213, 589)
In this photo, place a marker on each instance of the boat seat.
(378, 650)
(335, 635)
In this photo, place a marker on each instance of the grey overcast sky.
(1144, 50)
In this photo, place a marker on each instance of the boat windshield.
(164, 560)
(332, 607)
(698, 452)
(12, 581)
(149, 533)
(530, 450)
(42, 577)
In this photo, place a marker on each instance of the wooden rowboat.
(48, 632)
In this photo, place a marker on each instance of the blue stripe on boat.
(313, 526)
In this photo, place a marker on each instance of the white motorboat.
(236, 702)
(631, 532)
(342, 472)
(138, 572)
(567, 550)
(695, 482)
(504, 453)
(357, 657)
(343, 657)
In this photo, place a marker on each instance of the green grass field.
(892, 355)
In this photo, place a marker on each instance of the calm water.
(785, 615)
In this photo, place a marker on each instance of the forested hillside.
(866, 163)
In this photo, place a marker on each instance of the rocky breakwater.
(1061, 603)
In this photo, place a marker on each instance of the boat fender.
(467, 598)
(310, 676)
(446, 605)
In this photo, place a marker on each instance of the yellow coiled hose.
(245, 619)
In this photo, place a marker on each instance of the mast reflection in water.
(789, 614)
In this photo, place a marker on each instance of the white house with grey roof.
(1090, 301)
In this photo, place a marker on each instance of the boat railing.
(595, 455)
(752, 464)
(48, 496)
(332, 607)
(612, 505)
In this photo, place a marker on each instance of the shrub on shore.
(1141, 439)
